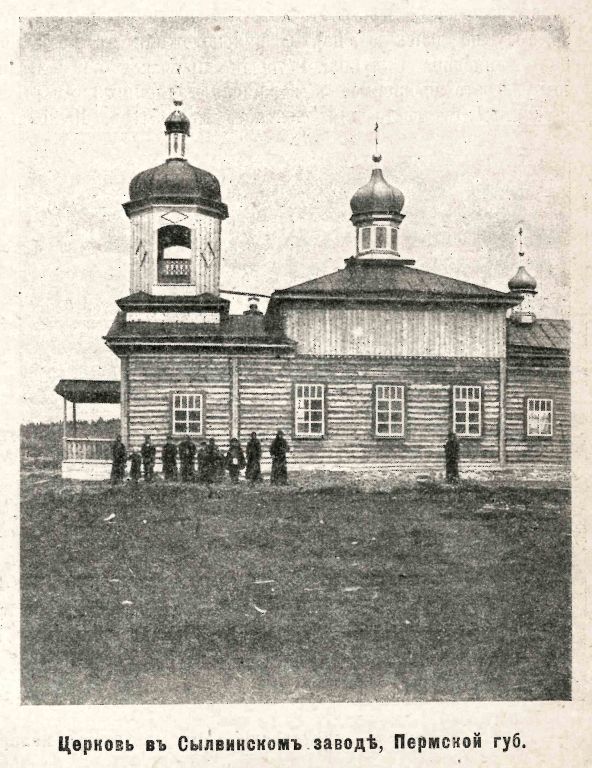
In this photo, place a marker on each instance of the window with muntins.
(187, 414)
(389, 410)
(539, 417)
(467, 411)
(309, 411)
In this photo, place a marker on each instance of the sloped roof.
(542, 334)
(241, 330)
(88, 390)
(391, 280)
(142, 300)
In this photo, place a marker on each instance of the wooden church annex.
(369, 366)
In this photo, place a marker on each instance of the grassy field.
(307, 593)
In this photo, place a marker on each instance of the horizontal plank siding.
(527, 380)
(153, 378)
(266, 403)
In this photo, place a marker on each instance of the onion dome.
(176, 181)
(377, 196)
(175, 178)
(177, 122)
(522, 281)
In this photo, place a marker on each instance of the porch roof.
(88, 390)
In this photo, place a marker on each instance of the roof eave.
(410, 297)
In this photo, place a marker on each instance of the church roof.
(542, 334)
(232, 331)
(392, 280)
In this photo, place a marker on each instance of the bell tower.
(175, 212)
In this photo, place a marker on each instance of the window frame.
(466, 435)
(403, 400)
(310, 435)
(538, 436)
(202, 403)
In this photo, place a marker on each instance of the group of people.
(212, 463)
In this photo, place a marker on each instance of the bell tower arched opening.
(174, 255)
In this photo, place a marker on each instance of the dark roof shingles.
(235, 328)
(384, 280)
(543, 334)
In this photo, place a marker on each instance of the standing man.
(119, 456)
(135, 466)
(148, 458)
(253, 472)
(169, 459)
(452, 452)
(187, 451)
(202, 458)
(279, 465)
(235, 459)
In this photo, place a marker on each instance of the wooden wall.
(544, 379)
(266, 403)
(417, 331)
(144, 238)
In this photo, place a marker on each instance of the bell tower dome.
(175, 211)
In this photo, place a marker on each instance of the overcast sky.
(473, 120)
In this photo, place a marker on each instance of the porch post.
(64, 431)
(502, 411)
(74, 417)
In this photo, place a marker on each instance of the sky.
(474, 129)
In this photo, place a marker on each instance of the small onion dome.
(175, 178)
(177, 122)
(377, 196)
(522, 281)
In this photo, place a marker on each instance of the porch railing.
(87, 449)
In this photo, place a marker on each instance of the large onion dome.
(177, 178)
(377, 196)
(522, 281)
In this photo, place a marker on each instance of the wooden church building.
(369, 366)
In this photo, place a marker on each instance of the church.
(366, 368)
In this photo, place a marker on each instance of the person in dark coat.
(253, 471)
(119, 456)
(187, 451)
(212, 462)
(452, 452)
(169, 459)
(135, 458)
(201, 462)
(235, 460)
(148, 458)
(279, 465)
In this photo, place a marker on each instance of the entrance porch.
(85, 458)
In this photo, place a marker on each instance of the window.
(539, 417)
(187, 414)
(174, 255)
(381, 237)
(365, 238)
(467, 411)
(309, 416)
(389, 410)
(393, 239)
